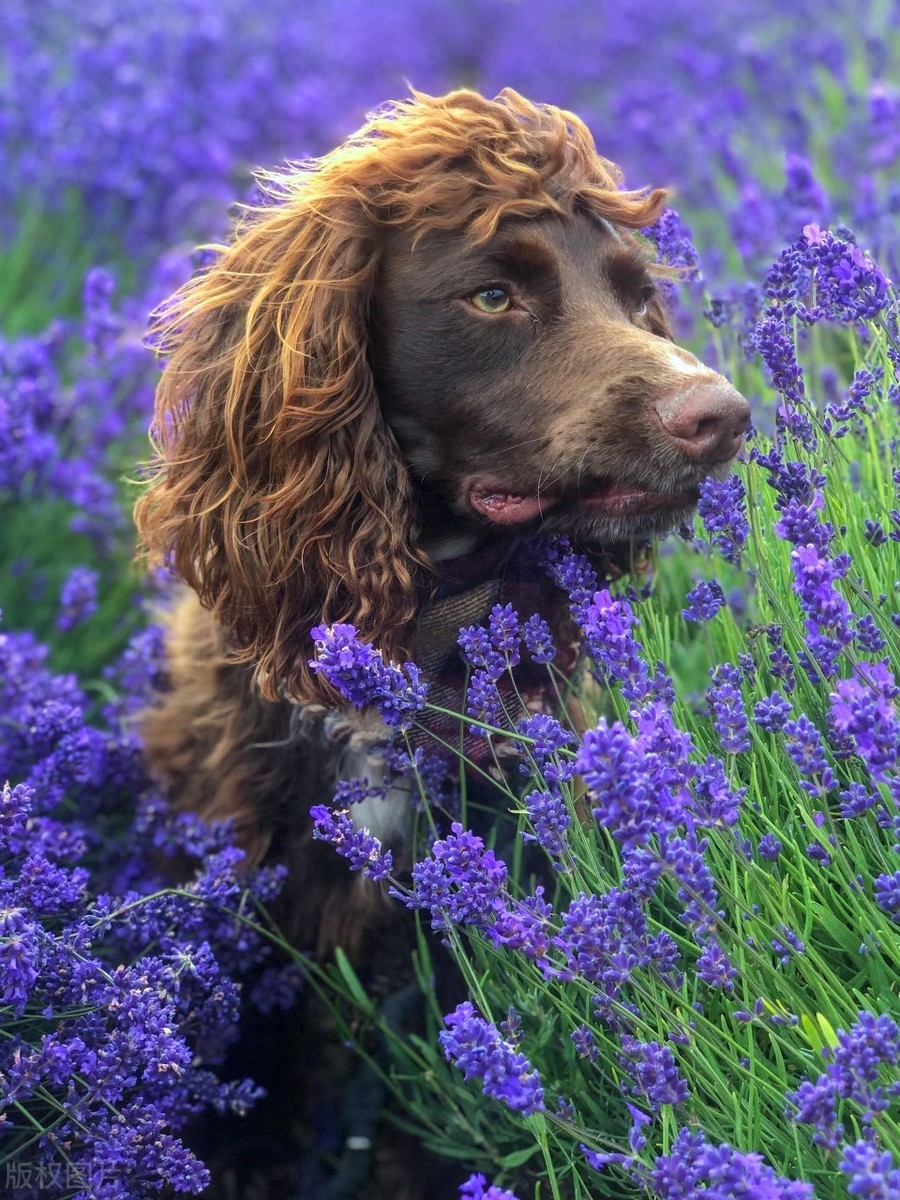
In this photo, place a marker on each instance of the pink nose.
(708, 420)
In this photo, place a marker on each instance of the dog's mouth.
(612, 498)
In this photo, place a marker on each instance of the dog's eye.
(644, 299)
(491, 300)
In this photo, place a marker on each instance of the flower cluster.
(481, 1052)
(459, 883)
(109, 1044)
(362, 851)
(853, 1075)
(357, 670)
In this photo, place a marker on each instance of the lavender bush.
(694, 990)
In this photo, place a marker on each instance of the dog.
(434, 342)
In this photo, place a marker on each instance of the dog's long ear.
(279, 493)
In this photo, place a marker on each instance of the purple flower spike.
(461, 883)
(722, 509)
(703, 601)
(475, 1188)
(362, 851)
(481, 1052)
(361, 675)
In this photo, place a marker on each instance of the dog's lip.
(623, 498)
(618, 498)
(503, 507)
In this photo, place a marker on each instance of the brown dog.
(444, 335)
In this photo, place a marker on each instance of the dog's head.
(443, 331)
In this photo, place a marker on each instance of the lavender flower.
(771, 712)
(362, 851)
(479, 1050)
(853, 1075)
(727, 708)
(459, 883)
(360, 674)
(715, 968)
(721, 508)
(695, 1166)
(584, 1042)
(887, 894)
(78, 597)
(863, 709)
(634, 794)
(803, 743)
(703, 601)
(674, 244)
(475, 1189)
(549, 818)
(769, 846)
(607, 629)
(872, 1172)
(652, 1073)
(538, 639)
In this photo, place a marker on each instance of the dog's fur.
(340, 419)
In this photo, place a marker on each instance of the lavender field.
(705, 1002)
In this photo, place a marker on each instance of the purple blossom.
(722, 509)
(526, 926)
(726, 705)
(362, 851)
(481, 1052)
(694, 1166)
(361, 675)
(769, 846)
(774, 340)
(872, 1172)
(603, 939)
(460, 883)
(549, 817)
(584, 1042)
(504, 634)
(853, 1075)
(804, 745)
(715, 968)
(607, 629)
(475, 1188)
(77, 598)
(703, 601)
(771, 712)
(548, 739)
(652, 1073)
(863, 709)
(633, 793)
(887, 894)
(538, 639)
(787, 945)
(674, 244)
(684, 857)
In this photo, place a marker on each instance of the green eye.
(492, 300)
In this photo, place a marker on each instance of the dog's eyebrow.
(628, 268)
(522, 257)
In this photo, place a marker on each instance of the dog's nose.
(708, 420)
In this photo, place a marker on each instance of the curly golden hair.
(279, 493)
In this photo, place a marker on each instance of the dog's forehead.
(532, 240)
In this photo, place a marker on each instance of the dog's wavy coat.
(439, 337)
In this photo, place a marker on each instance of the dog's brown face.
(531, 383)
